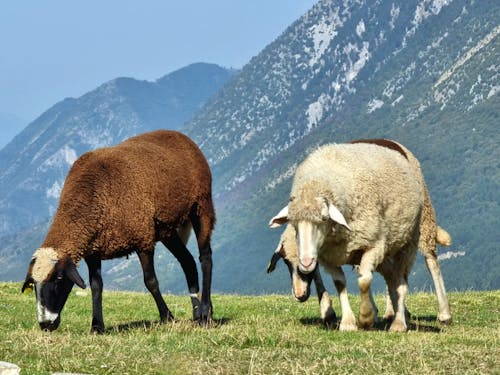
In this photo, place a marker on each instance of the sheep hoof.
(348, 326)
(329, 316)
(445, 320)
(203, 313)
(97, 330)
(366, 321)
(167, 318)
(398, 326)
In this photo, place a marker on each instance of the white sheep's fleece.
(45, 259)
(359, 179)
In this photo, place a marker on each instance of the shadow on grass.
(315, 321)
(148, 324)
(382, 325)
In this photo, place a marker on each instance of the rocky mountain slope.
(34, 165)
(10, 125)
(425, 73)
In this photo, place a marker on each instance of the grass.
(250, 335)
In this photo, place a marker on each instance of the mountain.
(422, 72)
(34, 165)
(10, 125)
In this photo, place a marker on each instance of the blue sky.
(53, 49)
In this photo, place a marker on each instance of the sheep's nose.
(307, 265)
(302, 298)
(50, 326)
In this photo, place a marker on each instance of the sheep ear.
(28, 281)
(272, 263)
(72, 274)
(280, 219)
(275, 258)
(337, 216)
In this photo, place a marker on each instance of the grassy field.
(250, 335)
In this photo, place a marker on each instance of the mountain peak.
(34, 165)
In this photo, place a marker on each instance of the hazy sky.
(53, 49)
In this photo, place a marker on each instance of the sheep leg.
(398, 296)
(444, 315)
(389, 305)
(397, 282)
(147, 263)
(202, 226)
(369, 261)
(177, 247)
(348, 320)
(385, 270)
(391, 294)
(374, 305)
(391, 301)
(94, 266)
(325, 304)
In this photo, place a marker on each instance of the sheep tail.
(443, 237)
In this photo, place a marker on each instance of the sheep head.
(313, 220)
(288, 251)
(52, 277)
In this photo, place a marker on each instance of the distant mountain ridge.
(329, 61)
(33, 166)
(10, 125)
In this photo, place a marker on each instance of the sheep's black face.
(51, 297)
(53, 280)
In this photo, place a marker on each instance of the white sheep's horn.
(280, 219)
(337, 216)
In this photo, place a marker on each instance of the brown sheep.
(123, 199)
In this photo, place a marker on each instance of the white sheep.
(430, 235)
(358, 204)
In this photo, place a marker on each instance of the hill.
(34, 164)
(424, 73)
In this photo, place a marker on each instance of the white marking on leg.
(348, 321)
(325, 305)
(194, 295)
(399, 323)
